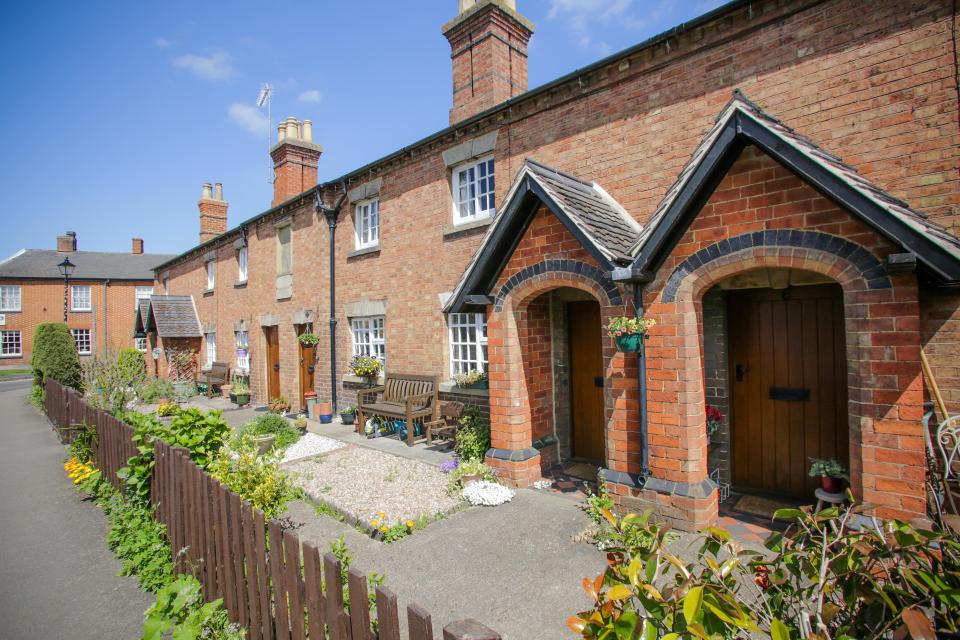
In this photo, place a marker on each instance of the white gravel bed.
(310, 445)
(366, 483)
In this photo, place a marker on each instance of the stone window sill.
(452, 230)
(240, 285)
(81, 311)
(208, 293)
(365, 251)
(11, 356)
(11, 311)
(451, 387)
(349, 377)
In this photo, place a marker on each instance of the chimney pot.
(205, 193)
(218, 191)
(308, 131)
(137, 246)
(292, 129)
(281, 131)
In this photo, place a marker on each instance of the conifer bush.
(55, 356)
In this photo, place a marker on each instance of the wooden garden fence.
(270, 582)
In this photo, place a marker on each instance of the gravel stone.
(365, 483)
(310, 445)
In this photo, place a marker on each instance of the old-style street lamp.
(66, 270)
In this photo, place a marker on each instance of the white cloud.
(582, 16)
(162, 43)
(248, 117)
(311, 96)
(215, 66)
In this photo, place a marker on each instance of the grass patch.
(14, 372)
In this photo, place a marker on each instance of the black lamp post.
(66, 270)
(331, 213)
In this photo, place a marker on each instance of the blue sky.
(114, 114)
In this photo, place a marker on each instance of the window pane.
(10, 343)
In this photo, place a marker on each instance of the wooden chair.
(217, 374)
(403, 396)
(447, 424)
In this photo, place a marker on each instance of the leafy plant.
(625, 326)
(300, 423)
(278, 405)
(468, 468)
(350, 409)
(308, 339)
(37, 396)
(180, 609)
(826, 468)
(340, 551)
(139, 541)
(55, 356)
(468, 378)
(156, 389)
(113, 380)
(83, 442)
(365, 366)
(241, 385)
(266, 424)
(168, 409)
(473, 436)
(257, 479)
(598, 503)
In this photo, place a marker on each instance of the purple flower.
(449, 465)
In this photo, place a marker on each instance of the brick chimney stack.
(137, 246)
(488, 44)
(67, 243)
(213, 212)
(295, 158)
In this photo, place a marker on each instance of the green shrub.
(113, 380)
(181, 611)
(83, 442)
(473, 436)
(201, 432)
(55, 356)
(468, 468)
(37, 397)
(156, 389)
(257, 479)
(139, 541)
(270, 424)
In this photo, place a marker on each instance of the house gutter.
(331, 214)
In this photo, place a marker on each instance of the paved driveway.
(57, 577)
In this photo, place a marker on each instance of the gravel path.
(310, 445)
(365, 483)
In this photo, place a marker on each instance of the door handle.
(310, 369)
(276, 367)
(598, 382)
(741, 370)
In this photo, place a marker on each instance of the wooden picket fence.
(272, 584)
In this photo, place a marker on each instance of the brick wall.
(716, 381)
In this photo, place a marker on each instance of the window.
(242, 265)
(142, 293)
(82, 338)
(284, 250)
(368, 337)
(166, 286)
(468, 342)
(10, 297)
(243, 350)
(367, 221)
(80, 297)
(10, 344)
(473, 191)
(140, 343)
(211, 348)
(211, 274)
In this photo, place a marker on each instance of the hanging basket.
(629, 343)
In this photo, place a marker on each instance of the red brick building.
(101, 297)
(695, 178)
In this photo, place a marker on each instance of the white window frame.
(366, 228)
(242, 264)
(5, 343)
(74, 299)
(211, 345)
(10, 298)
(89, 340)
(368, 334)
(211, 274)
(467, 338)
(469, 203)
(140, 344)
(138, 295)
(242, 339)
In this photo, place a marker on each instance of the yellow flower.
(383, 515)
(384, 529)
(374, 523)
(410, 523)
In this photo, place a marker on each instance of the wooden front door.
(586, 381)
(273, 362)
(306, 372)
(788, 382)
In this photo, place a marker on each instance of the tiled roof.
(90, 265)
(887, 214)
(169, 316)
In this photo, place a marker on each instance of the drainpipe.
(644, 446)
(331, 213)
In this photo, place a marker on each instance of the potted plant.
(301, 424)
(308, 339)
(831, 473)
(240, 394)
(348, 415)
(629, 332)
(278, 405)
(714, 421)
(365, 366)
(225, 391)
(472, 379)
(323, 411)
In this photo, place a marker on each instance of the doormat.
(757, 506)
(581, 470)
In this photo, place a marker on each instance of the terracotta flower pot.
(831, 485)
(468, 479)
(324, 412)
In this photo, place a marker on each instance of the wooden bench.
(403, 396)
(218, 373)
(447, 425)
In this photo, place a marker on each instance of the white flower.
(488, 494)
(543, 484)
